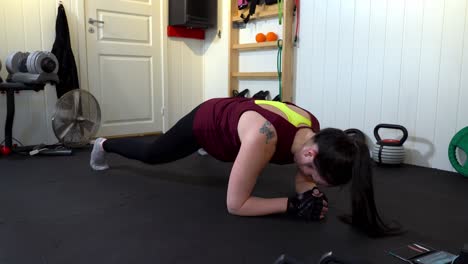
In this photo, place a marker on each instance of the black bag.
(67, 73)
(253, 5)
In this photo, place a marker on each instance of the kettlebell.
(389, 151)
(356, 133)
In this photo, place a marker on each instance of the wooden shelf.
(261, 11)
(236, 49)
(255, 75)
(256, 46)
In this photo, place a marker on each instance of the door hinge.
(163, 111)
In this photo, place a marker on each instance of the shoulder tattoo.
(266, 129)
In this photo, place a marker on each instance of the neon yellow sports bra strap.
(294, 118)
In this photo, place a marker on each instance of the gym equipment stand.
(10, 88)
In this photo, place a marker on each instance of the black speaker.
(193, 13)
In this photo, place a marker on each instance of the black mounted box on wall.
(193, 13)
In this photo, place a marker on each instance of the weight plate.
(389, 152)
(390, 156)
(394, 159)
(24, 59)
(38, 62)
(34, 62)
(52, 56)
(390, 147)
(13, 62)
(8, 63)
(459, 141)
(30, 62)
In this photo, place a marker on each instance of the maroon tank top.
(215, 128)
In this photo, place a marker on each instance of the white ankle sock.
(98, 156)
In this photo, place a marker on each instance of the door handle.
(93, 21)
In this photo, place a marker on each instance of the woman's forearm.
(303, 186)
(256, 206)
(303, 183)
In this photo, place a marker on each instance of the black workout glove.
(310, 205)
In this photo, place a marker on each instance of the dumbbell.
(36, 63)
(16, 62)
(42, 62)
(1, 71)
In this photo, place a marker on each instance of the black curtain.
(67, 72)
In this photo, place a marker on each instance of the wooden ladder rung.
(255, 75)
(256, 46)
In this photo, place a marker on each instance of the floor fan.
(76, 121)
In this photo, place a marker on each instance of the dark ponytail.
(342, 158)
(364, 211)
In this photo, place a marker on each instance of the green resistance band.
(280, 11)
(279, 43)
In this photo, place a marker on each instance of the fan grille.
(77, 118)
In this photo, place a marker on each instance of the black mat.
(57, 210)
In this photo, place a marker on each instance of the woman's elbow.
(234, 208)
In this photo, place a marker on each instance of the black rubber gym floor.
(57, 210)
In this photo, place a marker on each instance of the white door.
(124, 64)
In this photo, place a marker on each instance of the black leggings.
(175, 144)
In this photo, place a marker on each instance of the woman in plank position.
(252, 133)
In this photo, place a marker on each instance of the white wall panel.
(396, 61)
(331, 62)
(185, 77)
(216, 50)
(367, 88)
(410, 65)
(16, 42)
(304, 87)
(449, 79)
(428, 82)
(392, 61)
(36, 114)
(348, 41)
(462, 116)
(310, 89)
(27, 26)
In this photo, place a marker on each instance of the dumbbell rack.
(27, 72)
(10, 88)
